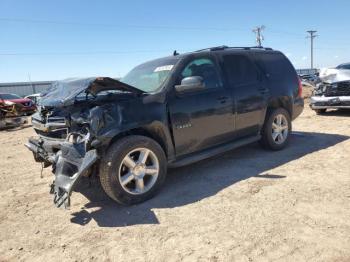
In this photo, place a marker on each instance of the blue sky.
(49, 40)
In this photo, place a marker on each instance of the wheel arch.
(280, 102)
(155, 131)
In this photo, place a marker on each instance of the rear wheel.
(276, 129)
(133, 170)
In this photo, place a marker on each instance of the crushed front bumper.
(44, 149)
(69, 162)
(325, 102)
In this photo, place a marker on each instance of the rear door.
(204, 118)
(249, 93)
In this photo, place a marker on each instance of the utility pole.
(312, 36)
(259, 37)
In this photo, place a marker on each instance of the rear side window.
(275, 65)
(240, 70)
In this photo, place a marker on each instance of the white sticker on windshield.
(163, 68)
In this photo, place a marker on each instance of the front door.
(202, 118)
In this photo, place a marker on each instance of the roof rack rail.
(215, 48)
(222, 47)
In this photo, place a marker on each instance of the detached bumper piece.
(72, 162)
(324, 102)
(44, 150)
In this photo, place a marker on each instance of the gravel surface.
(245, 205)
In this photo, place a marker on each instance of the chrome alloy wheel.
(280, 129)
(138, 171)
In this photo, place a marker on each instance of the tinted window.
(9, 96)
(240, 70)
(275, 65)
(205, 68)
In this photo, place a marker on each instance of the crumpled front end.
(76, 120)
(334, 90)
(331, 95)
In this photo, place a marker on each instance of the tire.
(320, 111)
(116, 167)
(268, 139)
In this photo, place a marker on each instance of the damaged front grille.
(60, 133)
(338, 89)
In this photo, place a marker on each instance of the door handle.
(263, 90)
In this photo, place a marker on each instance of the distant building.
(307, 71)
(25, 88)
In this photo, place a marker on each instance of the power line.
(312, 36)
(19, 20)
(135, 26)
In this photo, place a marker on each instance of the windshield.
(150, 76)
(9, 96)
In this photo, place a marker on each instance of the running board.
(194, 157)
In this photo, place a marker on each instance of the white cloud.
(304, 58)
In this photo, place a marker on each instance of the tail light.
(300, 88)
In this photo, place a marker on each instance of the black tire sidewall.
(110, 167)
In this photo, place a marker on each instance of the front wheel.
(276, 129)
(133, 170)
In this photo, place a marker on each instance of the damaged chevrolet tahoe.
(165, 113)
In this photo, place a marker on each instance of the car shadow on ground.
(339, 112)
(14, 128)
(198, 181)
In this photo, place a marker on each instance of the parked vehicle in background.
(11, 114)
(311, 79)
(167, 112)
(345, 66)
(334, 90)
(34, 97)
(28, 107)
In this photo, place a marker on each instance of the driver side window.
(204, 68)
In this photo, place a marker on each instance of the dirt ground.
(245, 205)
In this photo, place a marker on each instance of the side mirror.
(190, 84)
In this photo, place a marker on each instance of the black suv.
(165, 113)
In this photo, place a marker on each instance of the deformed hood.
(334, 75)
(63, 93)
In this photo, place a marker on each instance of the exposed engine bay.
(76, 118)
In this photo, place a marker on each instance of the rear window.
(275, 65)
(240, 69)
